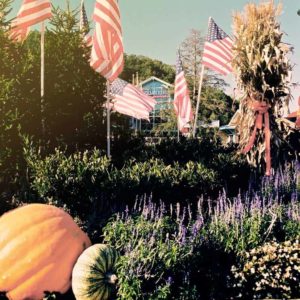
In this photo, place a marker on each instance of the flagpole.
(199, 94)
(198, 100)
(43, 78)
(108, 117)
(178, 133)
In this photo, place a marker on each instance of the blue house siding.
(160, 90)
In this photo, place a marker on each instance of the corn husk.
(263, 71)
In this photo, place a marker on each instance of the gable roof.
(235, 118)
(153, 78)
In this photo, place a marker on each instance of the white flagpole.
(199, 94)
(43, 78)
(81, 17)
(108, 117)
(198, 100)
(108, 85)
(178, 132)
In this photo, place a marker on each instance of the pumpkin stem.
(112, 279)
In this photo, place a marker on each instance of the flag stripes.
(31, 13)
(107, 50)
(19, 35)
(182, 102)
(129, 100)
(217, 53)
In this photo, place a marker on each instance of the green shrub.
(89, 182)
(231, 169)
(269, 271)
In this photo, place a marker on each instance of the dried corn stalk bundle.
(262, 71)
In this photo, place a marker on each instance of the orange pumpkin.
(39, 245)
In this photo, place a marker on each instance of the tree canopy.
(146, 67)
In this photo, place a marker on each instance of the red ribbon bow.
(262, 114)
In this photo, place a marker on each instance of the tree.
(12, 84)
(73, 99)
(5, 9)
(146, 67)
(216, 105)
(168, 124)
(191, 51)
(74, 94)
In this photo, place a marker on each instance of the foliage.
(156, 252)
(88, 181)
(13, 74)
(146, 67)
(191, 51)
(168, 123)
(232, 170)
(216, 105)
(73, 108)
(68, 101)
(247, 221)
(5, 9)
(269, 271)
(167, 252)
(263, 72)
(171, 170)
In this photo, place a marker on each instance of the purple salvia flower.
(177, 211)
(182, 233)
(190, 213)
(169, 280)
(181, 221)
(171, 210)
(209, 206)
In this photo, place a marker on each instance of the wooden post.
(137, 79)
(108, 117)
(198, 101)
(43, 78)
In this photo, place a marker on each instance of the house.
(229, 131)
(162, 92)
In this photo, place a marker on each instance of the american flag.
(31, 13)
(217, 53)
(182, 102)
(19, 35)
(130, 100)
(107, 50)
(84, 26)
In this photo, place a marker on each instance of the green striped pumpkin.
(93, 276)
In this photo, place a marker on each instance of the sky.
(155, 28)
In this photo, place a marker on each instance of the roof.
(235, 118)
(230, 130)
(153, 78)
